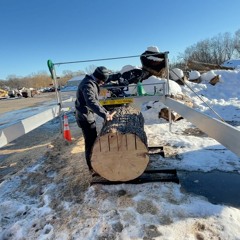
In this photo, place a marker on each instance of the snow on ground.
(233, 63)
(223, 97)
(52, 198)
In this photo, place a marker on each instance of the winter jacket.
(87, 102)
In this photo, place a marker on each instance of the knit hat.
(101, 73)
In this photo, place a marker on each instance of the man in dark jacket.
(86, 104)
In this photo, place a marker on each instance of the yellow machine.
(3, 93)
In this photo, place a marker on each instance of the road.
(12, 104)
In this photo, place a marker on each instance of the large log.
(201, 66)
(120, 152)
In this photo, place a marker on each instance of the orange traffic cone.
(66, 130)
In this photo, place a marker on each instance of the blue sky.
(33, 31)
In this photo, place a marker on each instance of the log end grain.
(119, 157)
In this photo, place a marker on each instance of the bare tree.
(90, 69)
(215, 50)
(37, 80)
(2, 83)
(228, 42)
(14, 82)
(237, 42)
(68, 73)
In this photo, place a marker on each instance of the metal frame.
(61, 104)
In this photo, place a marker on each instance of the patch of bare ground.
(58, 161)
(194, 132)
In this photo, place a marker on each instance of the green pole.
(51, 68)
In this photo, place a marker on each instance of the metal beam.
(26, 125)
(224, 133)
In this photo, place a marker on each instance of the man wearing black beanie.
(87, 103)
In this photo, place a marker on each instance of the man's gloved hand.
(109, 116)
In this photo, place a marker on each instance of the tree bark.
(120, 152)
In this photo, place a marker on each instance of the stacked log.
(201, 66)
(120, 152)
(164, 113)
(214, 80)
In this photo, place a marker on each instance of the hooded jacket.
(87, 102)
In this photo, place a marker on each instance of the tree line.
(215, 50)
(37, 81)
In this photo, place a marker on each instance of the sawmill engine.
(118, 83)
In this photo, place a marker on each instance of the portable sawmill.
(121, 153)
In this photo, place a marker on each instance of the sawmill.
(121, 152)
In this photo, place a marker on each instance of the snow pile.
(194, 75)
(155, 84)
(176, 74)
(206, 77)
(153, 49)
(233, 63)
(127, 68)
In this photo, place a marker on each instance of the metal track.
(156, 150)
(152, 175)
